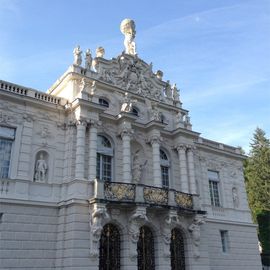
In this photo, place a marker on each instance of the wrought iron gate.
(177, 250)
(109, 250)
(145, 249)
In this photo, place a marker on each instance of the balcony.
(124, 193)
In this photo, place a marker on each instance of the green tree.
(257, 178)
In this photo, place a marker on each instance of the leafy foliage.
(257, 178)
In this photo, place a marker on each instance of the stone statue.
(155, 114)
(127, 103)
(168, 90)
(88, 59)
(195, 232)
(98, 219)
(100, 52)
(159, 74)
(77, 56)
(41, 169)
(127, 28)
(138, 219)
(137, 168)
(235, 197)
(175, 94)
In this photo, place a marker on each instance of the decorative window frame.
(107, 151)
(165, 163)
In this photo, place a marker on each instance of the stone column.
(92, 165)
(126, 137)
(191, 169)
(181, 149)
(80, 150)
(155, 142)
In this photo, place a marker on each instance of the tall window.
(224, 241)
(177, 248)
(146, 249)
(7, 136)
(213, 178)
(109, 248)
(165, 168)
(104, 158)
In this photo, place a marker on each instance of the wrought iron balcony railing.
(130, 193)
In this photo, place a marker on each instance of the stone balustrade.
(29, 92)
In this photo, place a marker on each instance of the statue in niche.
(127, 28)
(137, 167)
(195, 232)
(88, 59)
(41, 169)
(127, 103)
(235, 197)
(77, 56)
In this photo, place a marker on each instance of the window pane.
(163, 155)
(214, 193)
(224, 241)
(103, 102)
(213, 175)
(165, 176)
(7, 133)
(103, 142)
(106, 168)
(98, 166)
(5, 154)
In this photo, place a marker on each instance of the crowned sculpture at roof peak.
(127, 27)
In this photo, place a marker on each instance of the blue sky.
(217, 52)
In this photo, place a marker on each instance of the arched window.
(103, 102)
(109, 248)
(165, 168)
(146, 249)
(104, 158)
(135, 111)
(177, 250)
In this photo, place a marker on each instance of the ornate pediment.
(132, 74)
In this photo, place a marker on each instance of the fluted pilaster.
(80, 149)
(181, 149)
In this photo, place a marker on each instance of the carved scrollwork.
(119, 191)
(183, 200)
(155, 195)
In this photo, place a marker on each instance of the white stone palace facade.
(105, 172)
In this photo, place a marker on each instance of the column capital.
(155, 139)
(94, 123)
(126, 132)
(81, 122)
(180, 147)
(191, 148)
